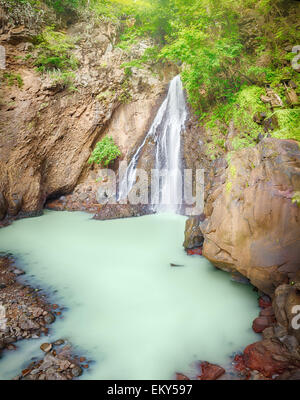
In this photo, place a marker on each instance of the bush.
(105, 152)
(54, 51)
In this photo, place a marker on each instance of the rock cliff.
(48, 131)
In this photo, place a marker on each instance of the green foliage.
(125, 95)
(105, 152)
(228, 186)
(64, 6)
(54, 51)
(13, 79)
(296, 198)
(289, 124)
(62, 78)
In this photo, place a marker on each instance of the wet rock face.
(50, 131)
(252, 225)
(193, 234)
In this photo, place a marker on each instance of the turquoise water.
(127, 308)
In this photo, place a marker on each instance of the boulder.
(193, 235)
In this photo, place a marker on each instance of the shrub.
(54, 51)
(105, 152)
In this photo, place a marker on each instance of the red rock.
(54, 306)
(210, 372)
(239, 363)
(264, 302)
(261, 355)
(25, 372)
(181, 377)
(261, 323)
(195, 252)
(85, 366)
(82, 359)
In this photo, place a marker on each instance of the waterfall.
(166, 133)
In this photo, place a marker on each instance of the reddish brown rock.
(261, 323)
(210, 372)
(181, 377)
(195, 252)
(264, 302)
(270, 357)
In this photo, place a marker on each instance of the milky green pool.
(128, 310)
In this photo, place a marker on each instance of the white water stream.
(166, 131)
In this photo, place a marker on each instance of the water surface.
(127, 308)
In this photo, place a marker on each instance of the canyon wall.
(48, 131)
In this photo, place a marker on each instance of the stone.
(268, 332)
(210, 372)
(193, 235)
(28, 324)
(264, 302)
(265, 99)
(49, 318)
(292, 97)
(59, 342)
(18, 272)
(271, 124)
(76, 371)
(261, 356)
(261, 323)
(46, 347)
(259, 117)
(181, 377)
(194, 252)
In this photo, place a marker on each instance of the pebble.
(18, 272)
(49, 318)
(46, 347)
(76, 371)
(59, 342)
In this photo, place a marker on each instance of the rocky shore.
(26, 314)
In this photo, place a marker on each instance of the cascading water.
(166, 132)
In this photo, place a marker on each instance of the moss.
(232, 171)
(289, 124)
(296, 198)
(54, 51)
(228, 186)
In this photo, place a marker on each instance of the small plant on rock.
(105, 152)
